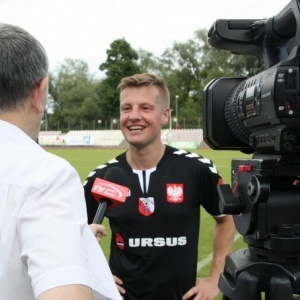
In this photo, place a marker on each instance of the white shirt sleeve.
(57, 245)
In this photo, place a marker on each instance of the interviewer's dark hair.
(23, 63)
(146, 79)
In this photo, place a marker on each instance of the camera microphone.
(109, 192)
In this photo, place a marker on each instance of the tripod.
(245, 278)
(265, 202)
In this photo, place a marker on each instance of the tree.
(74, 90)
(148, 62)
(121, 62)
(182, 67)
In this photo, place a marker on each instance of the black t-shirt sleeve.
(91, 203)
(210, 200)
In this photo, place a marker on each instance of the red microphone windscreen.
(111, 187)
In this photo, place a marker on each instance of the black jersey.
(155, 232)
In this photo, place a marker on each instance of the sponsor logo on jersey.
(175, 192)
(146, 206)
(119, 241)
(157, 242)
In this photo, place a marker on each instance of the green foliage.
(182, 68)
(75, 94)
(148, 62)
(121, 62)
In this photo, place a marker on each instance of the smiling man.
(154, 244)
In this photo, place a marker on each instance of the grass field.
(85, 160)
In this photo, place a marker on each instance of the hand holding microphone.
(109, 192)
(98, 231)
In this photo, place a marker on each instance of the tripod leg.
(279, 288)
(247, 287)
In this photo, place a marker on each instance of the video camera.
(260, 113)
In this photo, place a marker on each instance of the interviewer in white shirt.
(47, 250)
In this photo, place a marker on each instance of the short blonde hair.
(146, 79)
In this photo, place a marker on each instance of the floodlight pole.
(176, 109)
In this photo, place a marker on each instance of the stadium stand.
(50, 138)
(181, 138)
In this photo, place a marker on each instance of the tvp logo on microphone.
(109, 190)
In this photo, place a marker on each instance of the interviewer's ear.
(39, 95)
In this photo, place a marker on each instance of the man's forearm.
(222, 244)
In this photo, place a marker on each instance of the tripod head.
(265, 204)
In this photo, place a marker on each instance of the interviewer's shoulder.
(51, 165)
(58, 162)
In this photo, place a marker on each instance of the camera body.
(261, 113)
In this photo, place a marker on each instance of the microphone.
(109, 192)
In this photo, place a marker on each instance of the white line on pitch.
(204, 262)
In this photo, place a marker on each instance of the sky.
(84, 29)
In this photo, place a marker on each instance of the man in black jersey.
(155, 232)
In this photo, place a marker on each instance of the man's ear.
(165, 116)
(39, 95)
